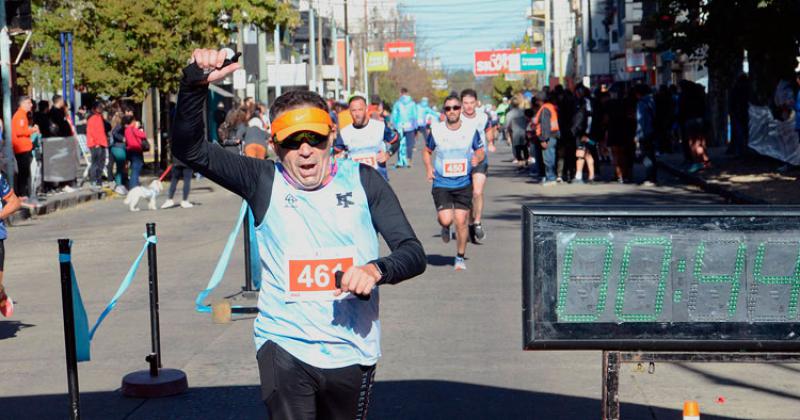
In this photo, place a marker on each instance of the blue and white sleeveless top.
(452, 154)
(311, 235)
(363, 144)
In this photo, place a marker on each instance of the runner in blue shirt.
(453, 149)
(315, 216)
(10, 203)
(365, 139)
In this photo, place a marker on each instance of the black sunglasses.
(452, 108)
(294, 141)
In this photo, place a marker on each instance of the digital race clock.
(661, 278)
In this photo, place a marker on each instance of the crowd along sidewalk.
(751, 179)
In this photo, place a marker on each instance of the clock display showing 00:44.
(621, 277)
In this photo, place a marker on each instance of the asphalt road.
(452, 341)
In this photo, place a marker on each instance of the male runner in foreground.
(458, 149)
(365, 139)
(480, 121)
(317, 343)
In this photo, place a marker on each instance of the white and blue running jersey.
(480, 122)
(299, 255)
(452, 154)
(363, 144)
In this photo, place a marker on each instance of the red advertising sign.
(400, 49)
(494, 62)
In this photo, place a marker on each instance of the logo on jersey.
(343, 200)
(291, 201)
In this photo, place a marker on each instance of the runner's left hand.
(382, 157)
(359, 280)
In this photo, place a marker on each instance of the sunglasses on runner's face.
(295, 141)
(452, 108)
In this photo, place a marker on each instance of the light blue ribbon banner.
(83, 335)
(222, 263)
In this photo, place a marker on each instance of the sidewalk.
(63, 200)
(745, 180)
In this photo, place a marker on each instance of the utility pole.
(262, 66)
(320, 61)
(241, 93)
(276, 39)
(5, 75)
(312, 53)
(335, 44)
(366, 46)
(346, 50)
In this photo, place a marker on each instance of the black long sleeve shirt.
(252, 180)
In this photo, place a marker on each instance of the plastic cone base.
(140, 384)
(691, 411)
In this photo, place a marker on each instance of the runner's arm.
(247, 177)
(407, 258)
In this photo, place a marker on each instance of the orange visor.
(304, 119)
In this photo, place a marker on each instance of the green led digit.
(619, 307)
(793, 279)
(566, 275)
(732, 278)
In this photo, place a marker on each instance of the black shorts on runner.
(2, 254)
(482, 168)
(292, 389)
(446, 198)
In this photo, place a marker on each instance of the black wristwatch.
(382, 270)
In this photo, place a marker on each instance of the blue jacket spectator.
(404, 113)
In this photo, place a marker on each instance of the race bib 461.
(312, 277)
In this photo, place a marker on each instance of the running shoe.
(167, 204)
(186, 204)
(460, 264)
(480, 234)
(7, 306)
(446, 234)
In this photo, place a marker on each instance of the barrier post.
(248, 273)
(69, 331)
(155, 330)
(154, 382)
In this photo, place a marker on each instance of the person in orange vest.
(546, 123)
(21, 132)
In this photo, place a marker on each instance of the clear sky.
(454, 29)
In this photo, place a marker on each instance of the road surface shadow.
(9, 329)
(721, 380)
(440, 260)
(414, 399)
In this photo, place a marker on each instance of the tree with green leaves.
(718, 32)
(123, 48)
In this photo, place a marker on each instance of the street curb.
(732, 196)
(53, 204)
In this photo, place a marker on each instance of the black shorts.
(2, 254)
(292, 389)
(482, 168)
(447, 198)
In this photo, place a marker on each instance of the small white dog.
(138, 193)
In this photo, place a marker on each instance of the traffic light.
(18, 15)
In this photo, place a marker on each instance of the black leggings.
(187, 181)
(521, 152)
(294, 390)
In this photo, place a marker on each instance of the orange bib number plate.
(370, 159)
(313, 278)
(455, 167)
